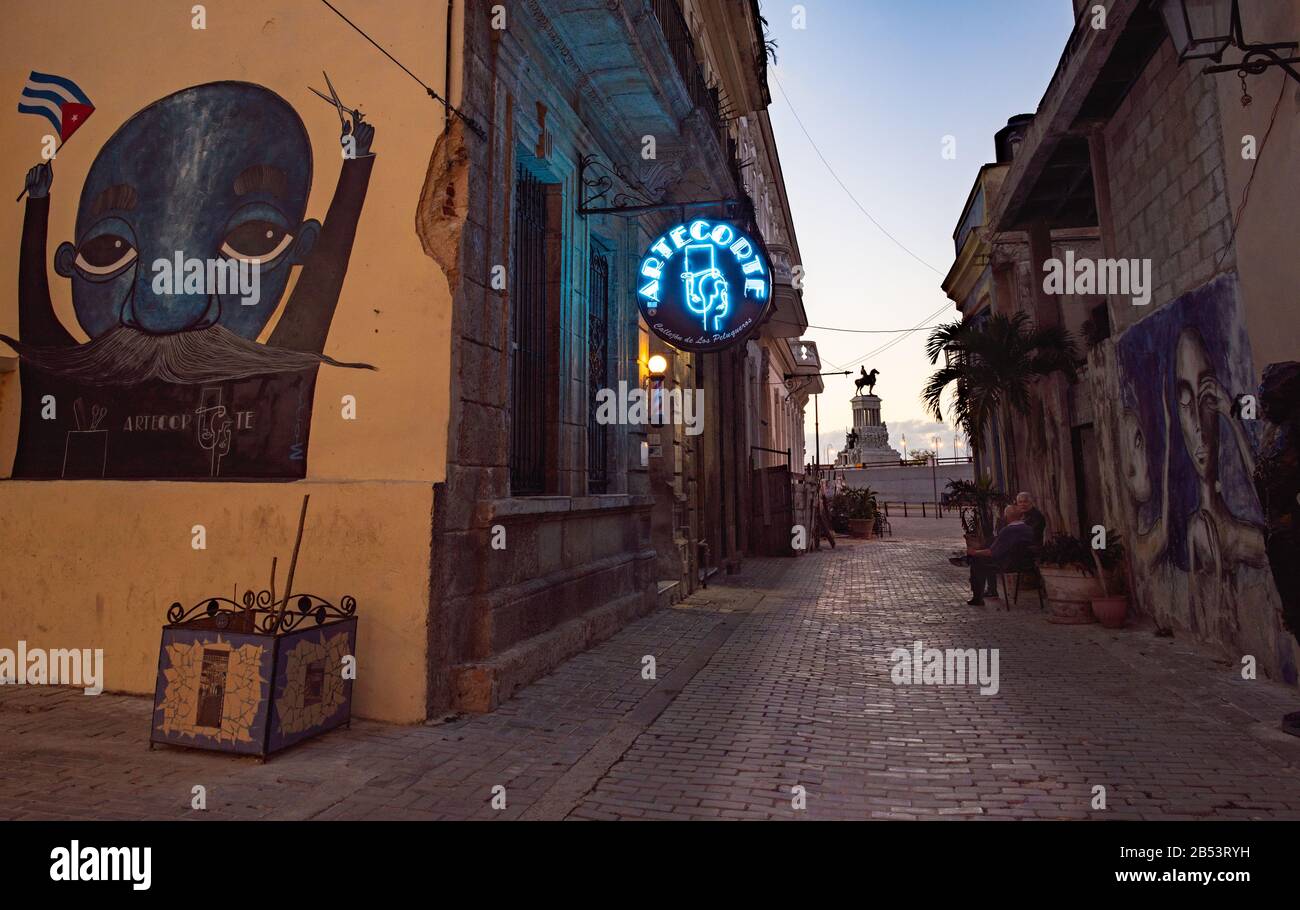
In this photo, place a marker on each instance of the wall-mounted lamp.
(1205, 29)
(657, 367)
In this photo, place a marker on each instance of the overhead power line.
(837, 179)
(468, 121)
(922, 325)
(831, 328)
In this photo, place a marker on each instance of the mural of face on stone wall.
(190, 222)
(1188, 465)
(1137, 469)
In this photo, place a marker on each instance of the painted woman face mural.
(1137, 472)
(190, 221)
(1199, 560)
(1198, 410)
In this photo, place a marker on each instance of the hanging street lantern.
(1205, 29)
(1199, 28)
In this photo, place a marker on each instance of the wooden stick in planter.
(1101, 573)
(293, 565)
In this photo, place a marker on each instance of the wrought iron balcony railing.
(682, 47)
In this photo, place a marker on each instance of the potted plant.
(839, 513)
(976, 501)
(1068, 573)
(1111, 609)
(858, 511)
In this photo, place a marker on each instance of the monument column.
(872, 444)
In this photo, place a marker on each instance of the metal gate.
(528, 350)
(771, 504)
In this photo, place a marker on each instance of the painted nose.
(162, 314)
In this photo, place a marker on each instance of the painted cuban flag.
(57, 99)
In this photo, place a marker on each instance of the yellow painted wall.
(1266, 239)
(95, 563)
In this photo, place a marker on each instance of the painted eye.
(104, 254)
(259, 241)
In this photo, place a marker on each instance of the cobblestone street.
(777, 678)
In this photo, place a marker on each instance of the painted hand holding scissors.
(356, 133)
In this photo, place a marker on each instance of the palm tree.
(993, 364)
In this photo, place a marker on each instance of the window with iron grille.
(597, 371)
(528, 336)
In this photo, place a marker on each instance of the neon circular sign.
(704, 285)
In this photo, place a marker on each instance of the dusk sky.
(877, 86)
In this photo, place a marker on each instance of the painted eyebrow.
(262, 178)
(120, 196)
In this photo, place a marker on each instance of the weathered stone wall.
(1037, 447)
(574, 567)
(910, 484)
(1266, 238)
(1167, 190)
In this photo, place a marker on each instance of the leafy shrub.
(853, 505)
(1113, 556)
(1066, 551)
(977, 500)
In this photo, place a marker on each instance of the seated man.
(1009, 544)
(1034, 518)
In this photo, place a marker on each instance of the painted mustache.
(127, 356)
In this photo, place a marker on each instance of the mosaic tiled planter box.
(253, 678)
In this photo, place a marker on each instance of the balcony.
(639, 71)
(682, 48)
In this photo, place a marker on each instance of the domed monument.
(868, 441)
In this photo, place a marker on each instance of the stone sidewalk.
(777, 678)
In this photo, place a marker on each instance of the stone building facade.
(1045, 451)
(598, 108)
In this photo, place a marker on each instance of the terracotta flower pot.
(1070, 593)
(1112, 611)
(861, 528)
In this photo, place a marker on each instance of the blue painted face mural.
(704, 286)
(190, 222)
(233, 189)
(1187, 468)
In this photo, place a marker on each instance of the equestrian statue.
(868, 380)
